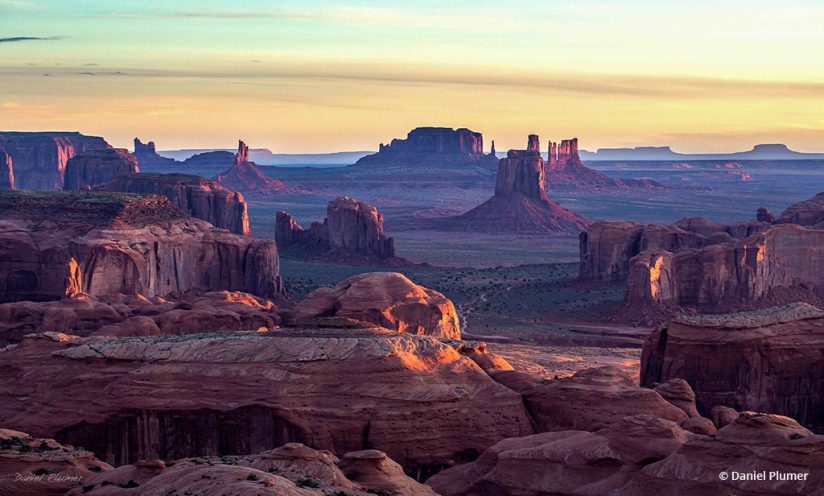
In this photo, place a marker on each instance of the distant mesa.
(217, 158)
(431, 146)
(246, 177)
(664, 153)
(202, 198)
(96, 167)
(147, 155)
(520, 203)
(352, 232)
(40, 158)
(6, 171)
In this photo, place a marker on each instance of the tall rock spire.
(534, 144)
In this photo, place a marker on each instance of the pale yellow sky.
(314, 76)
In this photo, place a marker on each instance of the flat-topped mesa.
(97, 167)
(147, 154)
(64, 243)
(431, 145)
(246, 176)
(6, 171)
(201, 197)
(351, 231)
(533, 143)
(40, 157)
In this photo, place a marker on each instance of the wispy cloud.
(15, 39)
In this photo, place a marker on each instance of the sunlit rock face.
(768, 360)
(387, 299)
(64, 243)
(40, 158)
(201, 197)
(96, 167)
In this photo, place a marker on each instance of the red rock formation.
(764, 215)
(766, 361)
(6, 171)
(642, 455)
(520, 203)
(806, 213)
(533, 143)
(431, 145)
(337, 389)
(99, 243)
(387, 299)
(201, 197)
(552, 157)
(42, 467)
(147, 155)
(40, 158)
(246, 177)
(98, 167)
(352, 232)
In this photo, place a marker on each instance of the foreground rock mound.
(641, 455)
(97, 167)
(770, 360)
(246, 177)
(135, 315)
(520, 203)
(387, 299)
(351, 232)
(65, 243)
(201, 197)
(431, 146)
(344, 389)
(40, 158)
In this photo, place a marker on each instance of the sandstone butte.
(40, 158)
(96, 167)
(47, 467)
(200, 197)
(246, 177)
(65, 243)
(520, 203)
(352, 231)
(432, 146)
(146, 154)
(564, 170)
(768, 360)
(387, 299)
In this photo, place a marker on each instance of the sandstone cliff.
(201, 197)
(147, 155)
(40, 158)
(431, 145)
(520, 203)
(58, 244)
(769, 361)
(96, 167)
(6, 171)
(247, 178)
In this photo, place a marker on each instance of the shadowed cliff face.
(521, 172)
(430, 145)
(96, 167)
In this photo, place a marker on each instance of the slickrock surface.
(201, 197)
(520, 203)
(387, 299)
(64, 243)
(6, 171)
(764, 361)
(246, 177)
(40, 158)
(413, 397)
(135, 315)
(806, 213)
(96, 167)
(146, 154)
(352, 232)
(40, 467)
(431, 145)
(642, 455)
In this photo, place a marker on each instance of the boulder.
(722, 415)
(678, 392)
(387, 299)
(764, 215)
(40, 158)
(200, 197)
(96, 167)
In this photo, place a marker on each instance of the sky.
(321, 76)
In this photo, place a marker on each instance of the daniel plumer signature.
(47, 478)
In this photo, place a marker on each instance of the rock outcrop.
(213, 159)
(352, 232)
(641, 455)
(201, 197)
(147, 155)
(65, 243)
(6, 171)
(764, 215)
(246, 177)
(520, 203)
(342, 389)
(431, 145)
(805, 213)
(96, 167)
(40, 158)
(387, 299)
(770, 361)
(566, 171)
